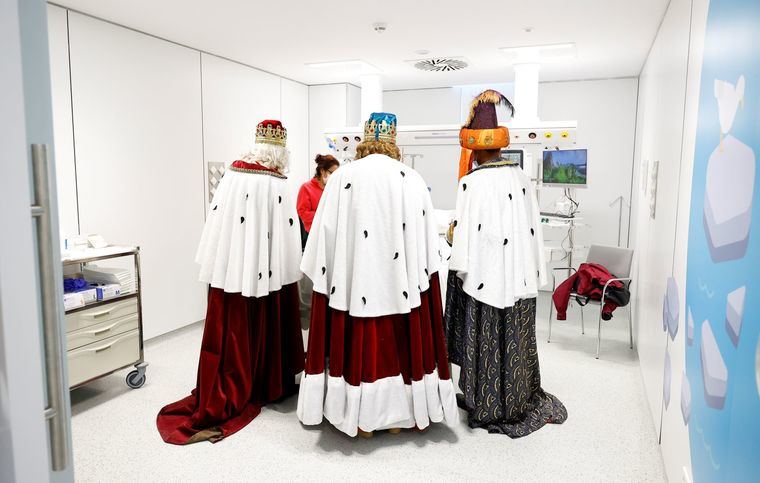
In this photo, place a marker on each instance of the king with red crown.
(249, 254)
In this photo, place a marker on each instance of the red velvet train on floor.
(252, 350)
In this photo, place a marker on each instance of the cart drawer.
(99, 358)
(101, 313)
(100, 331)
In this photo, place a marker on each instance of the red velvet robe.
(252, 347)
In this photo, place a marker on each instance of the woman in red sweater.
(306, 206)
(311, 191)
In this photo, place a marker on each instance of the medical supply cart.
(105, 336)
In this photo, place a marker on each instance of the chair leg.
(599, 332)
(630, 324)
(583, 322)
(549, 338)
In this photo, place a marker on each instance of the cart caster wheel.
(135, 379)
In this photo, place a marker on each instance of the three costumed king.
(379, 348)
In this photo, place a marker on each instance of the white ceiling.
(612, 36)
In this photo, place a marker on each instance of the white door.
(35, 441)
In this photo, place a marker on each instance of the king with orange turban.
(496, 266)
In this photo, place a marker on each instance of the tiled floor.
(609, 435)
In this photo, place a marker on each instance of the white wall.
(328, 108)
(68, 216)
(147, 116)
(137, 121)
(424, 106)
(666, 126)
(663, 95)
(294, 104)
(437, 164)
(235, 99)
(353, 106)
(439, 167)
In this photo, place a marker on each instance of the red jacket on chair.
(589, 282)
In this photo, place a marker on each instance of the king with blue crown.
(381, 126)
(376, 356)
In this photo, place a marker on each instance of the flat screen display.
(566, 167)
(513, 155)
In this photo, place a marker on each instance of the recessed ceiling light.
(422, 52)
(538, 53)
(528, 29)
(347, 66)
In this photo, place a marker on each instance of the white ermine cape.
(251, 243)
(373, 243)
(498, 248)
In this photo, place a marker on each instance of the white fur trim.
(251, 230)
(374, 239)
(493, 272)
(383, 404)
(311, 397)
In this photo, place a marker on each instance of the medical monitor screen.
(513, 155)
(565, 167)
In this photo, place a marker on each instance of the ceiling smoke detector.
(440, 65)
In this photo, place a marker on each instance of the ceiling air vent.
(440, 64)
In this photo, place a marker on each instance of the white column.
(372, 95)
(526, 92)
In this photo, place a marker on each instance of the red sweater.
(308, 200)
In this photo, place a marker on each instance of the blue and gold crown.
(381, 126)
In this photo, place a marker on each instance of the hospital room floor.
(609, 435)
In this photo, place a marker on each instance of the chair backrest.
(615, 259)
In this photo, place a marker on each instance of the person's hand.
(450, 234)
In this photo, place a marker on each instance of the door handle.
(53, 349)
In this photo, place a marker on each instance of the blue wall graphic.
(720, 392)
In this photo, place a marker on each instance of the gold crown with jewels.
(380, 126)
(271, 132)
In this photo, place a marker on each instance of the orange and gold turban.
(482, 131)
